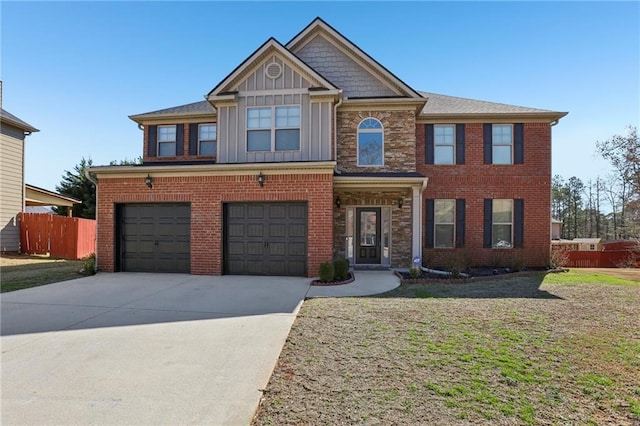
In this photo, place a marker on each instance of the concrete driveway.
(143, 348)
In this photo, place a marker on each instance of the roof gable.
(8, 118)
(270, 51)
(346, 65)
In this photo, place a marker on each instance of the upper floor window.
(370, 143)
(207, 134)
(273, 128)
(444, 223)
(444, 144)
(167, 141)
(502, 224)
(502, 139)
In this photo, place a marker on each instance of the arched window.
(370, 143)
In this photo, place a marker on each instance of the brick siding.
(207, 195)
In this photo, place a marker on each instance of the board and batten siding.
(11, 186)
(256, 90)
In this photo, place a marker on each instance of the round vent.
(273, 70)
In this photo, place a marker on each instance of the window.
(444, 222)
(502, 224)
(166, 141)
(207, 139)
(444, 144)
(370, 143)
(263, 134)
(502, 138)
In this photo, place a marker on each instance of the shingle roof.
(7, 117)
(442, 104)
(202, 107)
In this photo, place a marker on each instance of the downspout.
(141, 127)
(93, 180)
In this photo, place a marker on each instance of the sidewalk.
(366, 283)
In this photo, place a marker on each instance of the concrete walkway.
(366, 283)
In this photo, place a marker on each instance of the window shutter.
(518, 142)
(518, 222)
(488, 222)
(430, 222)
(459, 143)
(152, 140)
(428, 130)
(460, 220)
(179, 140)
(193, 139)
(488, 143)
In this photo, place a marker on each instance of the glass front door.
(368, 235)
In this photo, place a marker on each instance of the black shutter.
(193, 139)
(488, 222)
(179, 139)
(518, 222)
(459, 143)
(152, 137)
(518, 141)
(428, 130)
(430, 222)
(460, 212)
(488, 143)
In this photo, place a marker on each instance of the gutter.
(335, 129)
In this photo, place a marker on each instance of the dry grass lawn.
(536, 349)
(22, 271)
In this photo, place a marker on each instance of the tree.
(76, 185)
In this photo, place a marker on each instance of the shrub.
(89, 265)
(326, 272)
(415, 272)
(515, 262)
(559, 257)
(341, 268)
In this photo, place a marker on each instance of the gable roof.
(319, 26)
(269, 47)
(7, 117)
(443, 105)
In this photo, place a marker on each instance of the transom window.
(370, 143)
(444, 143)
(167, 141)
(502, 139)
(273, 128)
(444, 216)
(207, 134)
(502, 224)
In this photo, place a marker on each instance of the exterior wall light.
(400, 202)
(148, 181)
(261, 179)
(338, 202)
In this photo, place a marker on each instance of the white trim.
(371, 131)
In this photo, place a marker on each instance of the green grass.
(38, 272)
(576, 276)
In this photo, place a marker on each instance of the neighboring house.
(312, 150)
(556, 229)
(13, 132)
(588, 244)
(38, 197)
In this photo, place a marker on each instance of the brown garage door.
(265, 238)
(154, 237)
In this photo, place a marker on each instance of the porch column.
(416, 231)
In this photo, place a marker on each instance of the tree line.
(605, 207)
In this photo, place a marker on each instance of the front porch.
(377, 219)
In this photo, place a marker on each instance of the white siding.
(341, 70)
(11, 187)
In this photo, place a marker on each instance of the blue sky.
(77, 70)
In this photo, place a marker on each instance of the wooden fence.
(601, 259)
(59, 236)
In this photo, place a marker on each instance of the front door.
(368, 235)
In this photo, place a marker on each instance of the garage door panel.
(155, 237)
(268, 230)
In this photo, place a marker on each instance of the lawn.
(22, 271)
(536, 349)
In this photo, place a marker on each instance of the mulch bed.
(350, 278)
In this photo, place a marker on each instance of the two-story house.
(312, 150)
